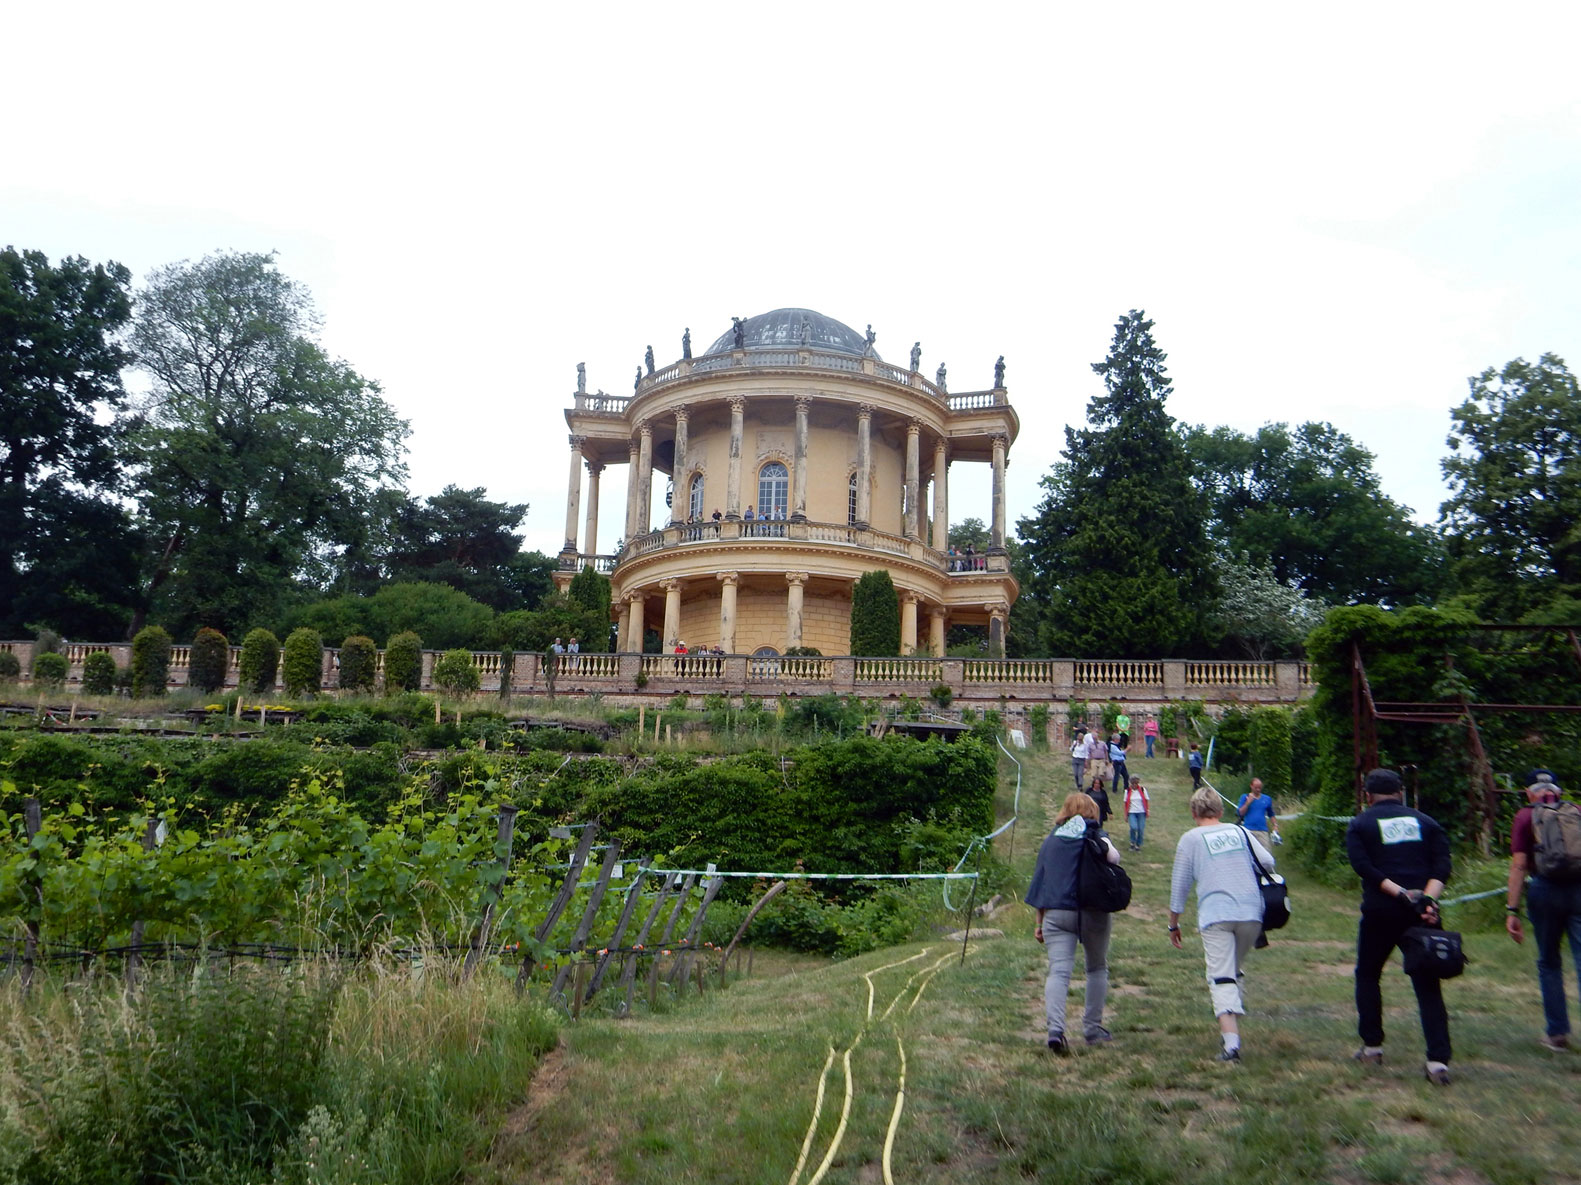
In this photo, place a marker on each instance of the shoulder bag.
(1276, 895)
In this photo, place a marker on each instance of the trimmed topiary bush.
(359, 663)
(50, 668)
(211, 654)
(98, 674)
(403, 663)
(150, 662)
(875, 616)
(259, 661)
(10, 666)
(1271, 749)
(456, 672)
(302, 662)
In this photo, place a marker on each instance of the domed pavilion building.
(796, 459)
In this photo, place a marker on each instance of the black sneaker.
(1230, 1055)
(1101, 1037)
(1059, 1045)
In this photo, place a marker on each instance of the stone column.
(997, 540)
(864, 465)
(573, 493)
(623, 638)
(938, 617)
(793, 604)
(645, 479)
(913, 480)
(633, 450)
(727, 610)
(998, 620)
(637, 626)
(681, 501)
(799, 474)
(672, 613)
(908, 622)
(738, 407)
(941, 497)
(590, 540)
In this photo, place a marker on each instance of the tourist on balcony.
(749, 516)
(1150, 734)
(955, 566)
(717, 516)
(971, 558)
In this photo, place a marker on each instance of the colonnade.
(633, 616)
(639, 486)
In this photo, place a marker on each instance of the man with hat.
(1553, 903)
(1402, 857)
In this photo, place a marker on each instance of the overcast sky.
(1332, 212)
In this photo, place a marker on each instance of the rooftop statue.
(637, 382)
(581, 378)
(647, 359)
(999, 372)
(916, 355)
(871, 338)
(806, 331)
(938, 379)
(739, 328)
(686, 343)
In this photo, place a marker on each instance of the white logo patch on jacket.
(1401, 829)
(1222, 843)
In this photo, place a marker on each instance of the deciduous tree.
(260, 454)
(67, 552)
(1305, 502)
(1512, 522)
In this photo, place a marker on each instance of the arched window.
(773, 490)
(850, 500)
(694, 501)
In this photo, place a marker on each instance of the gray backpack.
(1556, 827)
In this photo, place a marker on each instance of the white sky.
(1332, 212)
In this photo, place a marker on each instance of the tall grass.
(305, 1073)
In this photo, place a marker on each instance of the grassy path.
(724, 1090)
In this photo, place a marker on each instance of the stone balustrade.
(972, 681)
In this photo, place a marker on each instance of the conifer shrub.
(359, 662)
(10, 666)
(403, 662)
(1271, 749)
(456, 672)
(98, 673)
(150, 662)
(259, 661)
(875, 616)
(302, 662)
(50, 668)
(211, 654)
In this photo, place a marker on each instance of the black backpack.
(1101, 886)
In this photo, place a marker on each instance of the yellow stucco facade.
(840, 459)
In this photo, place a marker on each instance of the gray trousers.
(1062, 929)
(1225, 946)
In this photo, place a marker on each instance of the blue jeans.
(1149, 741)
(1555, 911)
(1078, 766)
(1138, 825)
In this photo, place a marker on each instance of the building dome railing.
(814, 360)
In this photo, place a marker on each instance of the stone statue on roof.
(999, 372)
(647, 359)
(938, 379)
(581, 378)
(806, 330)
(637, 382)
(686, 343)
(916, 355)
(871, 338)
(738, 327)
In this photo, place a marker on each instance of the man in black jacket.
(1402, 857)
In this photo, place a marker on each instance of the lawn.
(750, 1084)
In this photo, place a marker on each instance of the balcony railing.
(616, 405)
(970, 679)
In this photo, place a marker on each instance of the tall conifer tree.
(1118, 547)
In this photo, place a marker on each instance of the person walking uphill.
(1402, 857)
(1217, 857)
(1062, 923)
(1545, 841)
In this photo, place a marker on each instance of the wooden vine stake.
(585, 926)
(633, 893)
(628, 974)
(492, 894)
(134, 956)
(561, 900)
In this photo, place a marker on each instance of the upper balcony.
(808, 360)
